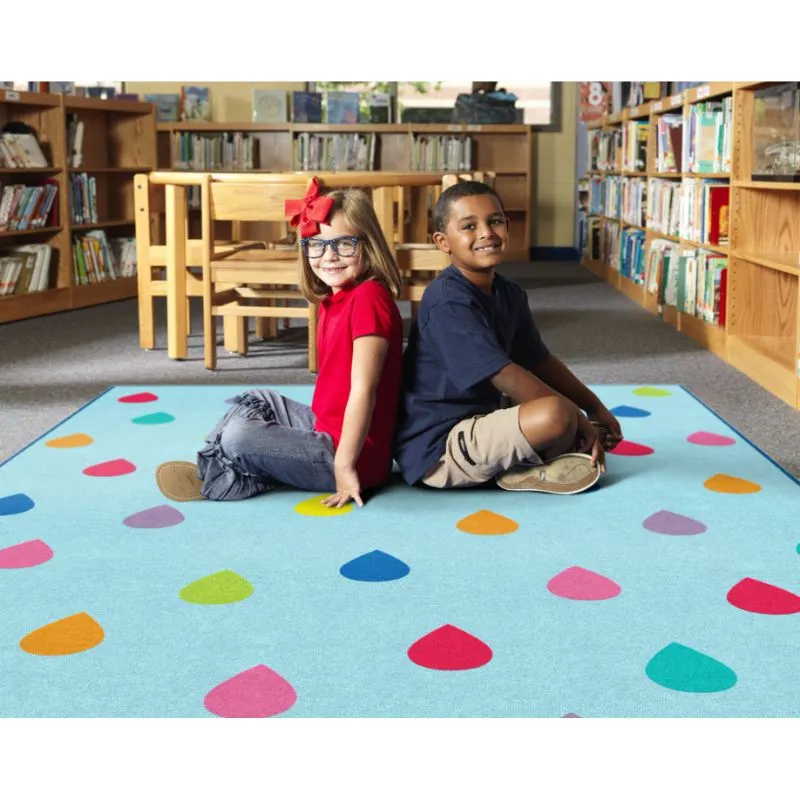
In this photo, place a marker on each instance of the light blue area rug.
(669, 590)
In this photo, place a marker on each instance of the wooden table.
(386, 187)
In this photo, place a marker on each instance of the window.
(538, 101)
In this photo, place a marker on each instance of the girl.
(342, 442)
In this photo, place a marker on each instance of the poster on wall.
(595, 99)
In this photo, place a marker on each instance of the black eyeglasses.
(342, 245)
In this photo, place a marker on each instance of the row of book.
(692, 280)
(82, 199)
(25, 268)
(632, 255)
(669, 143)
(695, 208)
(28, 207)
(441, 153)
(214, 151)
(21, 150)
(97, 258)
(334, 151)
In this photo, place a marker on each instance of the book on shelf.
(25, 268)
(307, 107)
(101, 92)
(635, 134)
(83, 199)
(710, 126)
(75, 132)
(21, 150)
(380, 108)
(270, 106)
(97, 258)
(62, 87)
(664, 206)
(28, 207)
(705, 207)
(632, 255)
(168, 106)
(341, 108)
(195, 104)
(669, 143)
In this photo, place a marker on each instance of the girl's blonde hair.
(379, 263)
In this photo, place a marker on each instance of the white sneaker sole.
(575, 475)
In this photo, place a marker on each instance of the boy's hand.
(347, 487)
(604, 417)
(588, 441)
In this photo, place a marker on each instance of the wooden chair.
(166, 270)
(249, 283)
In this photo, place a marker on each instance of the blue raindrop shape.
(15, 504)
(375, 566)
(629, 411)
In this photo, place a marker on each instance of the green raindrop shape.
(651, 391)
(217, 589)
(686, 670)
(158, 418)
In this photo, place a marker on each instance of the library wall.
(554, 212)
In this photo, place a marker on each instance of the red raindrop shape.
(763, 598)
(628, 448)
(110, 469)
(139, 397)
(449, 648)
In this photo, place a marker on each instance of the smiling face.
(337, 271)
(476, 235)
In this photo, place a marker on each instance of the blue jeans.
(263, 441)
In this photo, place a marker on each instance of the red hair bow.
(310, 211)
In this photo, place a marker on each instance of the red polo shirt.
(366, 309)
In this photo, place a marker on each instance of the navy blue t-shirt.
(460, 339)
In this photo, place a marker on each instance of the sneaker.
(567, 474)
(178, 481)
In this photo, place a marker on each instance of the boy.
(473, 342)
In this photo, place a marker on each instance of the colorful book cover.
(306, 106)
(167, 106)
(379, 108)
(195, 104)
(269, 105)
(342, 108)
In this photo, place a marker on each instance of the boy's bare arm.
(520, 385)
(553, 372)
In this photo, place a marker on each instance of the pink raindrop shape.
(710, 439)
(256, 692)
(139, 397)
(25, 554)
(577, 583)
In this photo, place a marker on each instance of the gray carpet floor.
(51, 366)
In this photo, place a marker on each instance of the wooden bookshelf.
(119, 141)
(506, 150)
(761, 334)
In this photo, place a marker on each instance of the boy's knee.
(548, 418)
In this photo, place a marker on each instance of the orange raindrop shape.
(64, 636)
(487, 523)
(728, 484)
(74, 440)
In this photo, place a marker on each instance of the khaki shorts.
(479, 448)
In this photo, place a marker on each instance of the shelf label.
(454, 127)
(658, 106)
(12, 96)
(676, 100)
(703, 92)
(474, 127)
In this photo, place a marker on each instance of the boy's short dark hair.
(441, 213)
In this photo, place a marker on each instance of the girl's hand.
(603, 416)
(347, 487)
